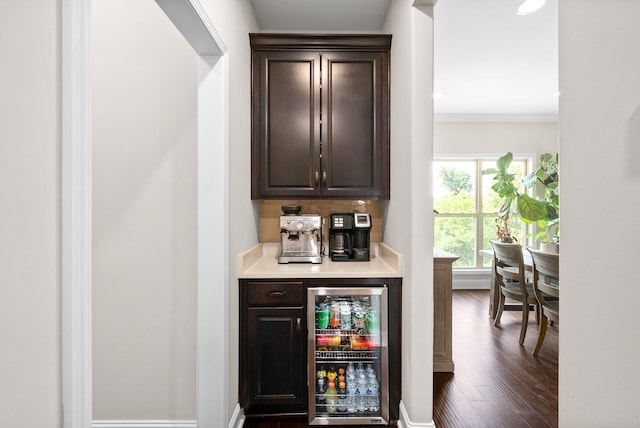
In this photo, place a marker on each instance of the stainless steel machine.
(301, 238)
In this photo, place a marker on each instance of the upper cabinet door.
(355, 157)
(320, 116)
(286, 124)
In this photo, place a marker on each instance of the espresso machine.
(300, 236)
(349, 237)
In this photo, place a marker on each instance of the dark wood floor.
(497, 383)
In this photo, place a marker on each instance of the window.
(467, 207)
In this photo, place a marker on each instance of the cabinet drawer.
(275, 293)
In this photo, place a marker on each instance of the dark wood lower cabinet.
(276, 365)
(273, 351)
(273, 343)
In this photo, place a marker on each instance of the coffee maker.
(349, 237)
(300, 236)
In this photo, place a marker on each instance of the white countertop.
(261, 261)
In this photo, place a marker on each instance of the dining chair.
(546, 287)
(510, 269)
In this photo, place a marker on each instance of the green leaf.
(530, 180)
(504, 161)
(490, 171)
(531, 209)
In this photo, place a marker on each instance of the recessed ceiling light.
(527, 7)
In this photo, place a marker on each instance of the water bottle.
(372, 393)
(361, 393)
(351, 397)
(351, 370)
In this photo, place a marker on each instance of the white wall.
(152, 68)
(600, 151)
(30, 385)
(144, 214)
(494, 137)
(234, 20)
(409, 225)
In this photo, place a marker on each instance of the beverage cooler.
(348, 356)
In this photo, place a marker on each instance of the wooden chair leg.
(541, 334)
(496, 320)
(525, 322)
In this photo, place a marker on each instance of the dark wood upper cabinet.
(320, 116)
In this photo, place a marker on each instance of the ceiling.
(489, 63)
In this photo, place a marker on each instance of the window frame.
(478, 158)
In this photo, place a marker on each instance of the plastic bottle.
(321, 399)
(373, 394)
(334, 315)
(361, 393)
(332, 398)
(342, 396)
(351, 396)
(332, 374)
(350, 368)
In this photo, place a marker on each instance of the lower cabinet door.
(276, 360)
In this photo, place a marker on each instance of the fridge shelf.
(340, 332)
(346, 355)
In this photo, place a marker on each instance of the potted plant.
(515, 200)
(546, 178)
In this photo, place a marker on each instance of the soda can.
(372, 322)
(345, 316)
(358, 319)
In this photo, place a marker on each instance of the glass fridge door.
(348, 372)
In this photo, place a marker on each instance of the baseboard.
(405, 421)
(471, 280)
(137, 423)
(237, 419)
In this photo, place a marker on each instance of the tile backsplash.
(270, 212)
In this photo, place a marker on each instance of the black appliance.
(349, 236)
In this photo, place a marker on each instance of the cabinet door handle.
(276, 293)
(298, 325)
(324, 178)
(317, 177)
